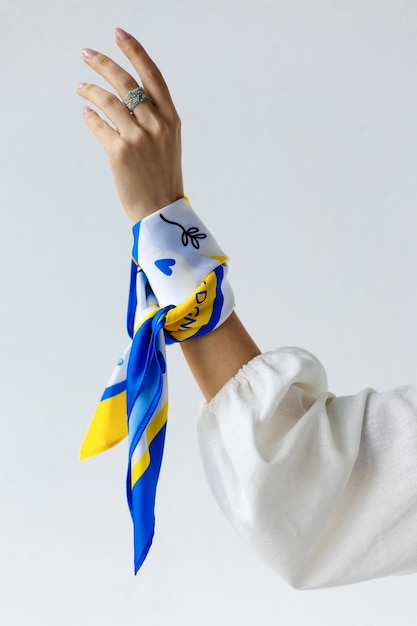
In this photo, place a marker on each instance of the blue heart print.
(165, 265)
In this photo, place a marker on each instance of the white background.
(299, 139)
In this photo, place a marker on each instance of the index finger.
(150, 75)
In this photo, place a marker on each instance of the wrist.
(138, 213)
(140, 206)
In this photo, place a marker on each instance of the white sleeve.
(324, 488)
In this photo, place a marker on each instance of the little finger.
(100, 128)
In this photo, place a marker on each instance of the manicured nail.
(86, 110)
(88, 53)
(81, 85)
(122, 34)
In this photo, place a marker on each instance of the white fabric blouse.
(324, 488)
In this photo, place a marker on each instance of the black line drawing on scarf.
(191, 234)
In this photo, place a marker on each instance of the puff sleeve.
(323, 488)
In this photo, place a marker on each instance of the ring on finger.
(134, 97)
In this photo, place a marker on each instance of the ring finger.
(110, 104)
(120, 80)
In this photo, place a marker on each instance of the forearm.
(216, 357)
(147, 174)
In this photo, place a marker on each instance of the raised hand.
(144, 148)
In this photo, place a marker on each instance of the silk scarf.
(178, 290)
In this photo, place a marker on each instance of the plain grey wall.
(299, 141)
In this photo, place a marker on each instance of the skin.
(144, 151)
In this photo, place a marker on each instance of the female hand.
(144, 149)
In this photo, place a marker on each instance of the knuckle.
(123, 150)
(136, 47)
(97, 122)
(102, 60)
(161, 128)
(110, 100)
(174, 122)
(129, 83)
(153, 73)
(136, 138)
(119, 152)
(177, 122)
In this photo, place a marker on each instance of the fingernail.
(81, 85)
(86, 110)
(122, 34)
(88, 53)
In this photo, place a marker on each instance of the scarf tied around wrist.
(135, 401)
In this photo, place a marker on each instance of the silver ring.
(134, 97)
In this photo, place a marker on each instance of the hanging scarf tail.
(109, 424)
(148, 411)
